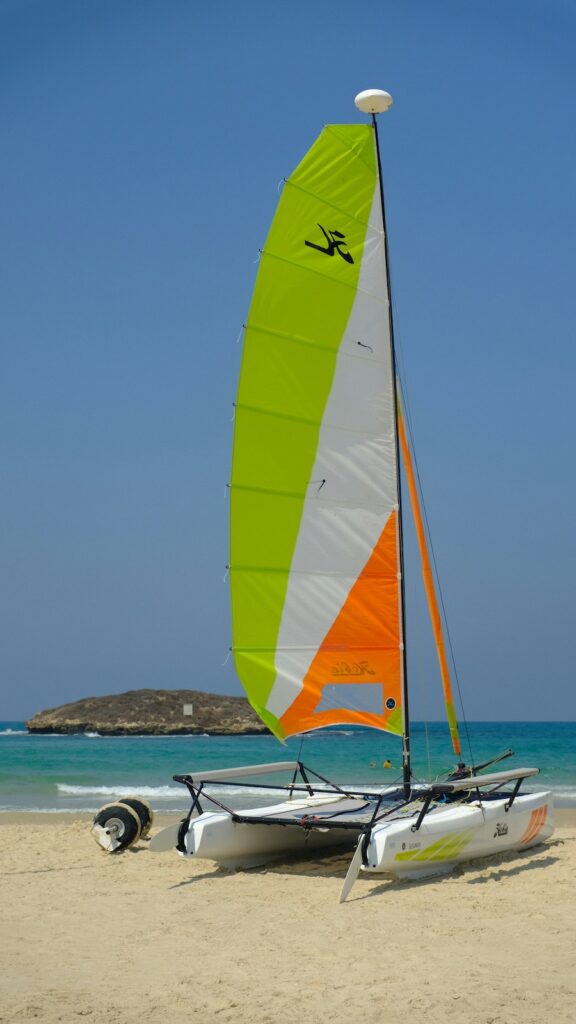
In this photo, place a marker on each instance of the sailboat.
(317, 551)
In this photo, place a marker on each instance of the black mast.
(406, 771)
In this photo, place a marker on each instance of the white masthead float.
(373, 101)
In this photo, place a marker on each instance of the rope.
(405, 391)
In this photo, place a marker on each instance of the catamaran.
(317, 554)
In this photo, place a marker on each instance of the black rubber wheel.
(143, 810)
(121, 823)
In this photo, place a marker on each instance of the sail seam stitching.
(349, 149)
(328, 277)
(311, 423)
(326, 647)
(378, 506)
(313, 195)
(299, 340)
(310, 572)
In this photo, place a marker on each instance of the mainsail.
(314, 559)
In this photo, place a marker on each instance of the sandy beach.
(152, 937)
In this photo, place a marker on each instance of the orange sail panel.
(361, 648)
(428, 582)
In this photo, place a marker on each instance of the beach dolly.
(119, 825)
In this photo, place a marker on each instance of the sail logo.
(501, 830)
(335, 243)
(354, 668)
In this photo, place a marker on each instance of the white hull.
(216, 836)
(447, 836)
(459, 833)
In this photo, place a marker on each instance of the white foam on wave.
(100, 736)
(160, 792)
(564, 796)
(169, 792)
(50, 810)
(323, 733)
(174, 799)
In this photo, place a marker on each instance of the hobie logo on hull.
(335, 242)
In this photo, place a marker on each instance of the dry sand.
(145, 937)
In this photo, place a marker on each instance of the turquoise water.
(80, 773)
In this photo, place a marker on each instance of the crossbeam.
(480, 781)
(222, 774)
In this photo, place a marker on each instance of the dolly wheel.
(116, 827)
(143, 810)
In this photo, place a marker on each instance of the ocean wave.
(563, 796)
(170, 799)
(91, 809)
(326, 733)
(160, 792)
(123, 736)
(19, 809)
(171, 792)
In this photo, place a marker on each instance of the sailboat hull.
(448, 835)
(458, 833)
(244, 844)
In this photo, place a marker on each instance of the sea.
(80, 773)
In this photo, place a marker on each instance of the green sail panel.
(299, 312)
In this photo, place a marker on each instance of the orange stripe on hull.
(365, 636)
(537, 819)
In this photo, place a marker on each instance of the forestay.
(314, 563)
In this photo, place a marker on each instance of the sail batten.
(321, 273)
(301, 647)
(275, 414)
(301, 495)
(338, 209)
(275, 333)
(314, 489)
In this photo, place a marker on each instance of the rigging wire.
(302, 738)
(404, 383)
(428, 750)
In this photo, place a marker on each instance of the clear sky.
(142, 143)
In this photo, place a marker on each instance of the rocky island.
(152, 713)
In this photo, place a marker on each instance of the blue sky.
(142, 144)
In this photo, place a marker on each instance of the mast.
(376, 101)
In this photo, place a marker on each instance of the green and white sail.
(314, 558)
